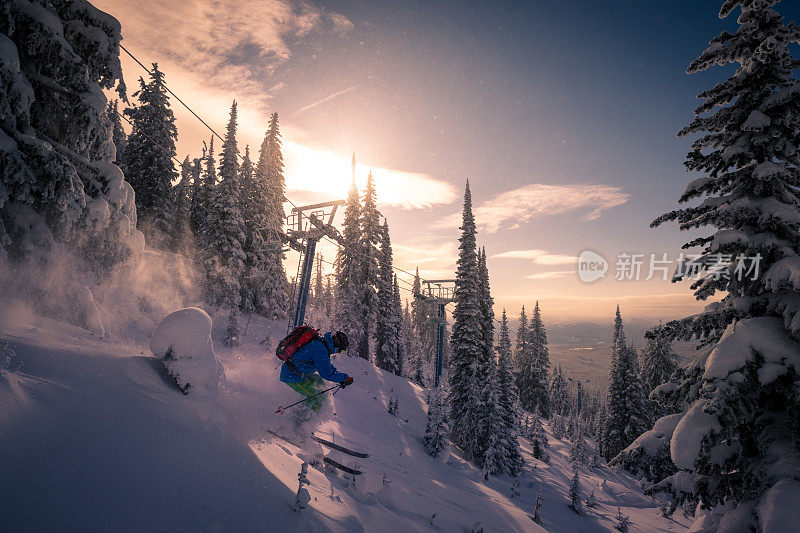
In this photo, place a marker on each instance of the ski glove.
(346, 382)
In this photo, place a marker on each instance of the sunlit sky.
(561, 114)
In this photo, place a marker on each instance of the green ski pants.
(309, 387)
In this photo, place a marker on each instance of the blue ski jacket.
(313, 357)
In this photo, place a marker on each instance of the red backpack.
(292, 343)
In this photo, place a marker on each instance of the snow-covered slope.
(93, 437)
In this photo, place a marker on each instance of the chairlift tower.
(580, 389)
(308, 224)
(440, 292)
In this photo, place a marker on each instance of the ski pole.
(281, 409)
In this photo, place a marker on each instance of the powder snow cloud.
(510, 209)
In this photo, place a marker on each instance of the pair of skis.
(333, 446)
(348, 451)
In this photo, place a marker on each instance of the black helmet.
(340, 341)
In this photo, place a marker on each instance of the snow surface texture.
(95, 438)
(183, 341)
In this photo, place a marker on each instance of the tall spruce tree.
(521, 345)
(387, 326)
(576, 494)
(369, 239)
(534, 365)
(397, 310)
(225, 266)
(487, 318)
(422, 333)
(659, 360)
(181, 230)
(509, 422)
(268, 287)
(147, 159)
(408, 342)
(490, 445)
(255, 245)
(348, 273)
(736, 446)
(200, 217)
(436, 429)
(504, 342)
(467, 340)
(627, 407)
(559, 394)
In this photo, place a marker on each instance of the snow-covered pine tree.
(591, 500)
(397, 310)
(264, 217)
(487, 318)
(117, 132)
(733, 445)
(369, 240)
(623, 521)
(57, 179)
(225, 267)
(534, 365)
(387, 330)
(508, 427)
(521, 345)
(498, 416)
(578, 453)
(467, 340)
(537, 508)
(489, 441)
(147, 160)
(627, 406)
(421, 339)
(659, 361)
(436, 429)
(200, 218)
(600, 424)
(181, 237)
(504, 342)
(576, 494)
(408, 360)
(348, 272)
(538, 436)
(255, 246)
(559, 394)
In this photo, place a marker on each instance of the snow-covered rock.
(183, 341)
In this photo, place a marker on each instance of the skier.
(311, 364)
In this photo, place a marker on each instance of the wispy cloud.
(550, 275)
(226, 44)
(540, 257)
(437, 256)
(510, 209)
(322, 101)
